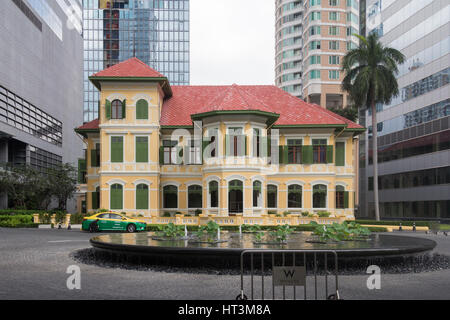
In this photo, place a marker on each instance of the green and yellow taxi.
(112, 221)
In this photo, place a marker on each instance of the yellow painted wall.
(129, 173)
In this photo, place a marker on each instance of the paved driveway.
(33, 265)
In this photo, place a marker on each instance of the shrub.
(10, 212)
(17, 221)
(77, 218)
(281, 233)
(171, 230)
(271, 212)
(60, 216)
(198, 212)
(286, 213)
(323, 214)
(166, 215)
(305, 214)
(340, 232)
(251, 228)
(45, 218)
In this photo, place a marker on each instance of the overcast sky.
(232, 41)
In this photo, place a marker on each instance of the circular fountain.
(187, 251)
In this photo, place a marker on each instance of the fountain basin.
(233, 244)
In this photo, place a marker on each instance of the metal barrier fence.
(290, 272)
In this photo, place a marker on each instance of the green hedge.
(77, 218)
(395, 223)
(17, 221)
(10, 212)
(18, 225)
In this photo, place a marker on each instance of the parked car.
(111, 221)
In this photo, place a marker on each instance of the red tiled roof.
(183, 101)
(131, 68)
(94, 124)
(188, 100)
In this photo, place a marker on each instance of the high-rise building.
(414, 129)
(41, 61)
(155, 31)
(312, 38)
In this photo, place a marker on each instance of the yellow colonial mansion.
(159, 150)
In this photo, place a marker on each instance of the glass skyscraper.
(155, 31)
(414, 129)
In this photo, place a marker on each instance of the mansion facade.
(158, 149)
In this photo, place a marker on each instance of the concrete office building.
(40, 83)
(312, 36)
(414, 129)
(154, 31)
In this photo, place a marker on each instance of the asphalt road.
(33, 265)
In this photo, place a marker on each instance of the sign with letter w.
(289, 276)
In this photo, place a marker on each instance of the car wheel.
(93, 227)
(131, 228)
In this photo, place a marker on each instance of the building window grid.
(21, 114)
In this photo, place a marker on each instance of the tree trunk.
(375, 159)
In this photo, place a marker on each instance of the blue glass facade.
(155, 31)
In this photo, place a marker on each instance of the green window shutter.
(142, 197)
(95, 198)
(141, 149)
(116, 149)
(116, 202)
(108, 109)
(329, 154)
(227, 145)
(142, 110)
(161, 155)
(285, 154)
(346, 199)
(307, 154)
(269, 146)
(94, 163)
(81, 170)
(340, 153)
(124, 109)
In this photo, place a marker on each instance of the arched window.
(320, 196)
(214, 194)
(116, 197)
(142, 110)
(142, 197)
(170, 197)
(272, 191)
(295, 196)
(195, 197)
(257, 194)
(235, 197)
(116, 110)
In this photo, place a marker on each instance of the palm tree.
(369, 79)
